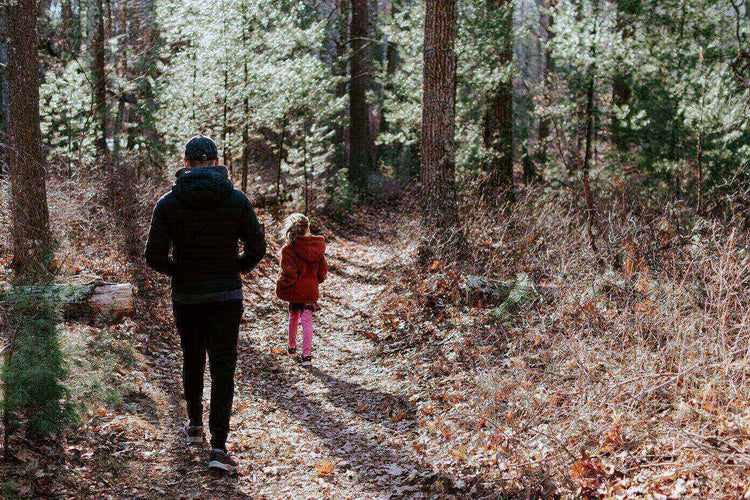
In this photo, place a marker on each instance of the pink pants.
(307, 330)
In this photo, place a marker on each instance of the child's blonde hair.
(295, 225)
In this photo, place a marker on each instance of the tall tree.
(627, 10)
(341, 41)
(30, 230)
(246, 100)
(498, 117)
(546, 21)
(590, 132)
(360, 160)
(439, 203)
(3, 94)
(99, 80)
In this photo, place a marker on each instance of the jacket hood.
(202, 186)
(310, 248)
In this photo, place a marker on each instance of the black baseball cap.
(201, 148)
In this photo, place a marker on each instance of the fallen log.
(93, 301)
(487, 291)
(491, 292)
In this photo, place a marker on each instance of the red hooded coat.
(303, 267)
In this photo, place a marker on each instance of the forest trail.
(341, 429)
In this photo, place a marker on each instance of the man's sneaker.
(291, 350)
(305, 361)
(220, 460)
(192, 433)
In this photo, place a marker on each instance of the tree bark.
(621, 91)
(3, 95)
(543, 134)
(246, 101)
(360, 161)
(391, 66)
(100, 83)
(280, 158)
(498, 117)
(439, 199)
(30, 230)
(225, 127)
(587, 194)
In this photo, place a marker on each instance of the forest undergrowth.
(616, 373)
(619, 373)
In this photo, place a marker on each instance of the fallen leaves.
(397, 417)
(324, 468)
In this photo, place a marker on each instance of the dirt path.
(345, 428)
(342, 429)
(333, 431)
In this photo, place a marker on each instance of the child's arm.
(289, 273)
(322, 270)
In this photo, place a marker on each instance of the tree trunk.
(3, 95)
(121, 116)
(621, 91)
(588, 196)
(100, 83)
(543, 134)
(439, 204)
(701, 140)
(70, 28)
(146, 65)
(278, 169)
(30, 230)
(359, 113)
(342, 39)
(391, 65)
(246, 101)
(304, 168)
(227, 153)
(498, 117)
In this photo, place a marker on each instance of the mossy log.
(95, 300)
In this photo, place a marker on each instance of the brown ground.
(346, 428)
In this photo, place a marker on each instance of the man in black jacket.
(202, 220)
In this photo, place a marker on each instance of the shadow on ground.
(372, 457)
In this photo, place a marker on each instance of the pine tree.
(439, 200)
(360, 161)
(498, 118)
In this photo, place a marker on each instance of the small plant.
(34, 368)
(341, 193)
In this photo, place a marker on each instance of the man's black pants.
(212, 327)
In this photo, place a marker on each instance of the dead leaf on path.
(371, 335)
(460, 453)
(361, 407)
(277, 350)
(398, 416)
(325, 468)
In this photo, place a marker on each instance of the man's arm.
(253, 240)
(157, 247)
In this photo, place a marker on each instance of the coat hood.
(202, 186)
(310, 248)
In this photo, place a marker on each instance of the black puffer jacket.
(202, 220)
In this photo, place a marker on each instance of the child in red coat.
(303, 268)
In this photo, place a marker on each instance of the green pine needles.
(33, 370)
